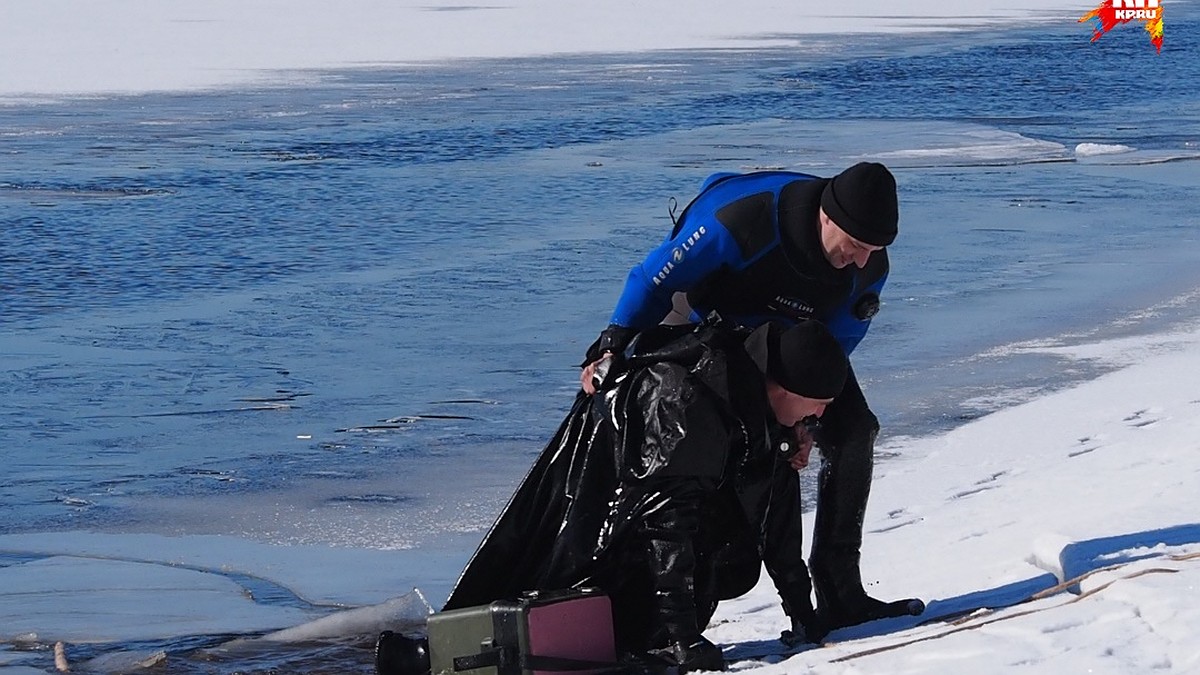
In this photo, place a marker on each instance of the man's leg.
(669, 531)
(847, 442)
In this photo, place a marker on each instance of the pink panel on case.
(577, 629)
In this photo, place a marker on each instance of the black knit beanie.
(862, 201)
(805, 359)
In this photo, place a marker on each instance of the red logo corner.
(1111, 13)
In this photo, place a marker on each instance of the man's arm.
(700, 248)
(680, 262)
(783, 556)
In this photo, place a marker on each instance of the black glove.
(807, 625)
(805, 630)
(613, 339)
(699, 655)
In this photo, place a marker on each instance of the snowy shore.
(1094, 486)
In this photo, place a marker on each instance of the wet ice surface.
(348, 316)
(108, 601)
(120, 600)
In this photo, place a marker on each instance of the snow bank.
(56, 47)
(1060, 535)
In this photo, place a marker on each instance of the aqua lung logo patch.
(794, 306)
(678, 254)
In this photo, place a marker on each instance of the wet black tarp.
(566, 523)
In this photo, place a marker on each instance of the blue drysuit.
(748, 247)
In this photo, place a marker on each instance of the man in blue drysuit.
(778, 245)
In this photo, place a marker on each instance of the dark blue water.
(350, 313)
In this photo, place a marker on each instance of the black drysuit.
(666, 489)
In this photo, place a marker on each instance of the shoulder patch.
(751, 222)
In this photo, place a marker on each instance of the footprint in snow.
(1141, 418)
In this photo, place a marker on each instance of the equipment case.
(539, 634)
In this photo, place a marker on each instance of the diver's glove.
(808, 629)
(690, 656)
(613, 340)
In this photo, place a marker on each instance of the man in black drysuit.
(785, 246)
(671, 487)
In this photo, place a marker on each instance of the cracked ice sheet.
(303, 570)
(86, 587)
(92, 600)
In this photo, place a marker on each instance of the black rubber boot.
(669, 532)
(843, 487)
